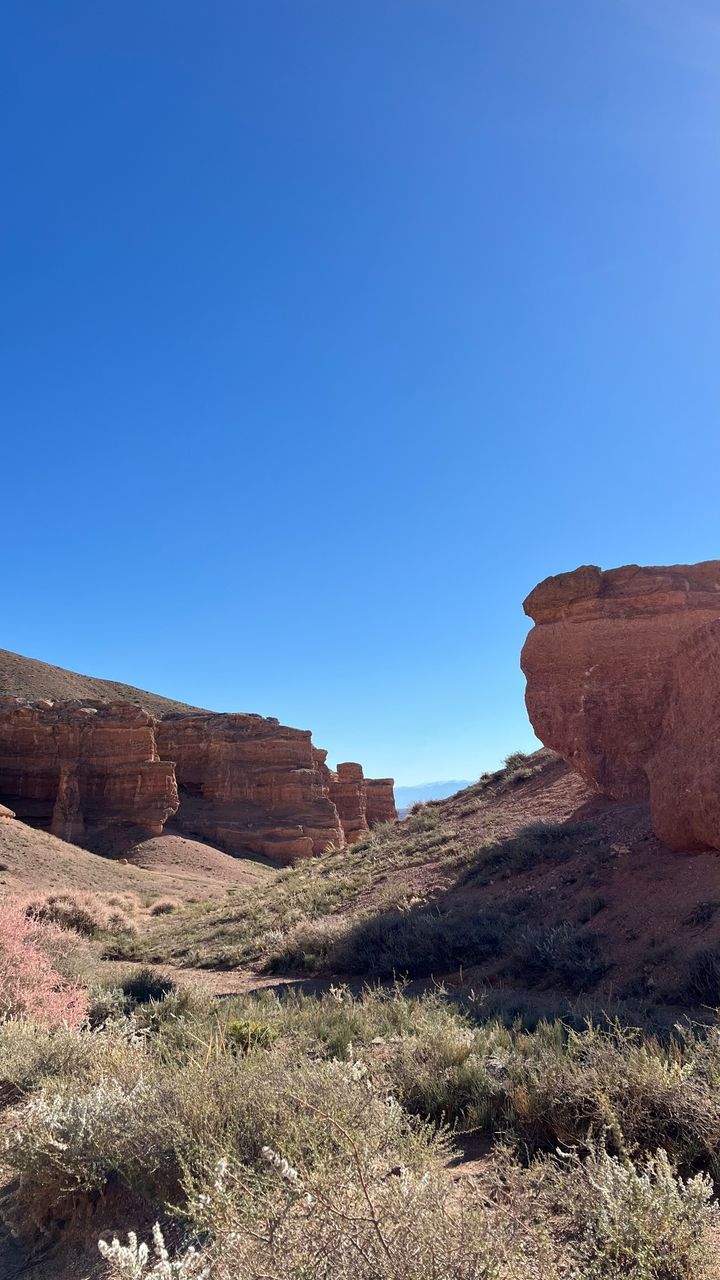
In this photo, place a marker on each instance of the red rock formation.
(247, 782)
(243, 782)
(348, 791)
(73, 767)
(5, 813)
(684, 770)
(615, 678)
(361, 802)
(380, 801)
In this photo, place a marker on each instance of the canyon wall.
(241, 782)
(247, 782)
(72, 768)
(623, 680)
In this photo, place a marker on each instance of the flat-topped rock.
(247, 782)
(380, 801)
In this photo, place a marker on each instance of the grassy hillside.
(525, 879)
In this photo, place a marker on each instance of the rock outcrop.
(73, 767)
(684, 770)
(623, 680)
(361, 802)
(241, 782)
(380, 801)
(348, 791)
(247, 782)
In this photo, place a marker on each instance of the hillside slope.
(35, 862)
(527, 878)
(31, 679)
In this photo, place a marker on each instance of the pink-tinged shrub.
(30, 987)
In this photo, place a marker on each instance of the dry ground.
(31, 679)
(36, 863)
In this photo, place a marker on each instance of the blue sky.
(330, 327)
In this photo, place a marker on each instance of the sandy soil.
(35, 862)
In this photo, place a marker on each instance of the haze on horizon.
(329, 330)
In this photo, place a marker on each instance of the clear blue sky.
(329, 327)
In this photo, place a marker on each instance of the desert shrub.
(83, 912)
(145, 985)
(641, 1223)
(287, 1162)
(157, 1123)
(591, 907)
(597, 1218)
(415, 943)
(535, 843)
(514, 760)
(164, 907)
(30, 987)
(245, 1034)
(702, 978)
(559, 953)
(702, 913)
(521, 775)
(106, 1004)
(307, 947)
(422, 817)
(134, 1260)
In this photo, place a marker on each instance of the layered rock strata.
(248, 782)
(241, 782)
(72, 767)
(348, 791)
(361, 802)
(623, 680)
(380, 801)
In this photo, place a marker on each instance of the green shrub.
(145, 985)
(559, 953)
(106, 1004)
(640, 1223)
(514, 760)
(245, 1034)
(419, 942)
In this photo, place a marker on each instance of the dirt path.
(228, 982)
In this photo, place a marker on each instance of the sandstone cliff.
(380, 801)
(623, 680)
(72, 767)
(247, 782)
(242, 782)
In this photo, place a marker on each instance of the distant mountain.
(405, 797)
